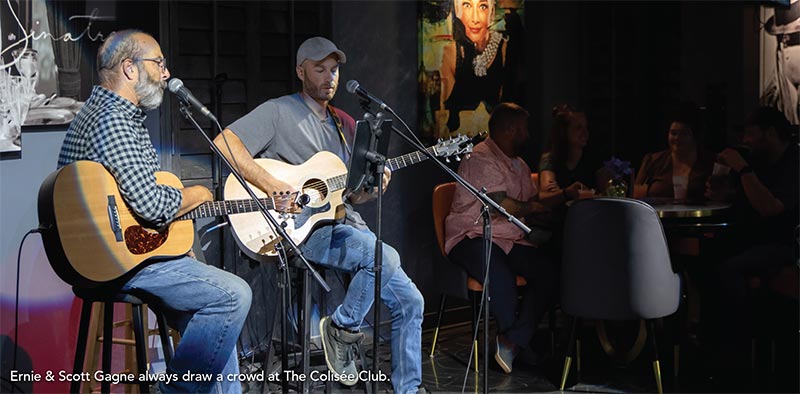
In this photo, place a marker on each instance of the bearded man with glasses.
(207, 305)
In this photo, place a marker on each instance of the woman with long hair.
(566, 166)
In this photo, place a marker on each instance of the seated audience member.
(684, 160)
(568, 166)
(565, 168)
(495, 164)
(765, 200)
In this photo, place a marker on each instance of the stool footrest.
(119, 341)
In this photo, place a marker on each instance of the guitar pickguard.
(301, 219)
(139, 240)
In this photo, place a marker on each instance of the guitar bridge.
(113, 218)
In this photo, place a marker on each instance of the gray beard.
(150, 93)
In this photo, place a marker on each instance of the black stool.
(90, 296)
(304, 323)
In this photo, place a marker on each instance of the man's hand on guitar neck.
(192, 197)
(362, 196)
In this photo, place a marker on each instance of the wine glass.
(28, 65)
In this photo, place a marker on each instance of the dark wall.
(380, 41)
(627, 64)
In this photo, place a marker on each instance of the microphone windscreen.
(174, 85)
(352, 85)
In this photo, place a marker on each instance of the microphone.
(176, 86)
(354, 87)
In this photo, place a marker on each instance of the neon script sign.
(34, 35)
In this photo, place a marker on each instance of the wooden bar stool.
(136, 323)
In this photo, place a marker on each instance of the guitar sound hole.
(316, 190)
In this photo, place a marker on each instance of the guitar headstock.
(457, 146)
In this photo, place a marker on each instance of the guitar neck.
(408, 159)
(224, 208)
(340, 181)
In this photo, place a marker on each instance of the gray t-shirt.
(286, 129)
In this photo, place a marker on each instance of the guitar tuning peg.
(439, 140)
(458, 158)
(447, 160)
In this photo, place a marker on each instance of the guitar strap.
(339, 127)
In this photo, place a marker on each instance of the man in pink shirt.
(495, 164)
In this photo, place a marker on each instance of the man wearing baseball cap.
(292, 129)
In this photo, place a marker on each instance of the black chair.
(89, 297)
(616, 266)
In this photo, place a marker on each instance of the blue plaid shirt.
(110, 130)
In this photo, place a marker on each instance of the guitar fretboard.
(409, 159)
(227, 207)
(340, 181)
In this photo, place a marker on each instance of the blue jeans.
(345, 248)
(208, 306)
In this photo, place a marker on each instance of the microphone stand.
(378, 164)
(277, 227)
(488, 205)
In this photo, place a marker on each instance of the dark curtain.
(67, 52)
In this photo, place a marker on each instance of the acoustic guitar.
(322, 180)
(92, 237)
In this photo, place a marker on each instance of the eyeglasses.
(162, 62)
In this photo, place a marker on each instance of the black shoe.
(338, 345)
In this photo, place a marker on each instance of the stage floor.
(445, 372)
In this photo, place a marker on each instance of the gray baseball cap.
(318, 48)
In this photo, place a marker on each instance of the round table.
(693, 218)
(705, 210)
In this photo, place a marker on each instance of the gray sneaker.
(339, 345)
